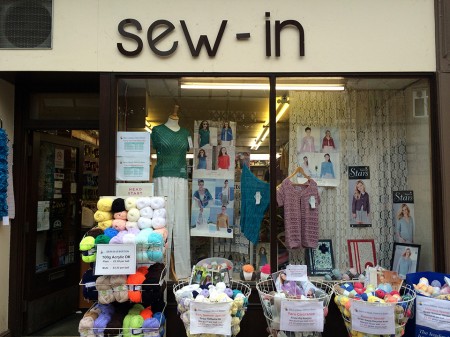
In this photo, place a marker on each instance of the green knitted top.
(171, 147)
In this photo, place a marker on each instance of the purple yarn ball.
(436, 283)
(101, 322)
(150, 324)
(229, 292)
(205, 292)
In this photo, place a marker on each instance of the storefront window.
(219, 126)
(367, 149)
(353, 150)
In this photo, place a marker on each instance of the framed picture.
(362, 254)
(262, 254)
(320, 260)
(405, 258)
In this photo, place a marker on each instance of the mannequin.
(170, 178)
(172, 121)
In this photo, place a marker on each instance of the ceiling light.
(260, 86)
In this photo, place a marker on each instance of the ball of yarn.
(102, 216)
(157, 202)
(146, 212)
(144, 223)
(159, 213)
(155, 255)
(118, 205)
(104, 204)
(142, 202)
(103, 225)
(150, 324)
(130, 203)
(158, 222)
(119, 224)
(120, 215)
(102, 239)
(133, 214)
(111, 232)
(88, 281)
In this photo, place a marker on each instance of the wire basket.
(403, 309)
(271, 305)
(237, 311)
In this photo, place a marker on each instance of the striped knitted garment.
(300, 220)
(171, 147)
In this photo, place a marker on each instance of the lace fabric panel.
(372, 133)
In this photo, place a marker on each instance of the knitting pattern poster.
(403, 213)
(214, 146)
(318, 153)
(212, 210)
(359, 196)
(212, 207)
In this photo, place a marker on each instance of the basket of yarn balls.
(236, 294)
(435, 289)
(347, 293)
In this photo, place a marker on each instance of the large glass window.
(221, 125)
(354, 151)
(366, 146)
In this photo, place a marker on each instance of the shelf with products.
(125, 277)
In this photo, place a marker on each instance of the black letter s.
(128, 35)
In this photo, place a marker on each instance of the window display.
(224, 198)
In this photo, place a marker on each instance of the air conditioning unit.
(26, 24)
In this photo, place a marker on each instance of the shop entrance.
(62, 180)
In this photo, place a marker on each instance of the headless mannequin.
(172, 121)
(174, 186)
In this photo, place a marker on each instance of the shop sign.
(160, 30)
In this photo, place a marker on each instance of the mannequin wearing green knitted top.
(171, 147)
(170, 180)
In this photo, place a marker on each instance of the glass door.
(53, 221)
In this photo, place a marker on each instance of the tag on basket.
(296, 272)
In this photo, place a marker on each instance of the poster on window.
(212, 211)
(359, 196)
(318, 153)
(214, 146)
(403, 211)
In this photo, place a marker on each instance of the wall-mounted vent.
(26, 24)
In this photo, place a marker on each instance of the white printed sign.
(296, 272)
(133, 168)
(115, 259)
(433, 313)
(210, 318)
(301, 316)
(135, 189)
(373, 319)
(133, 144)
